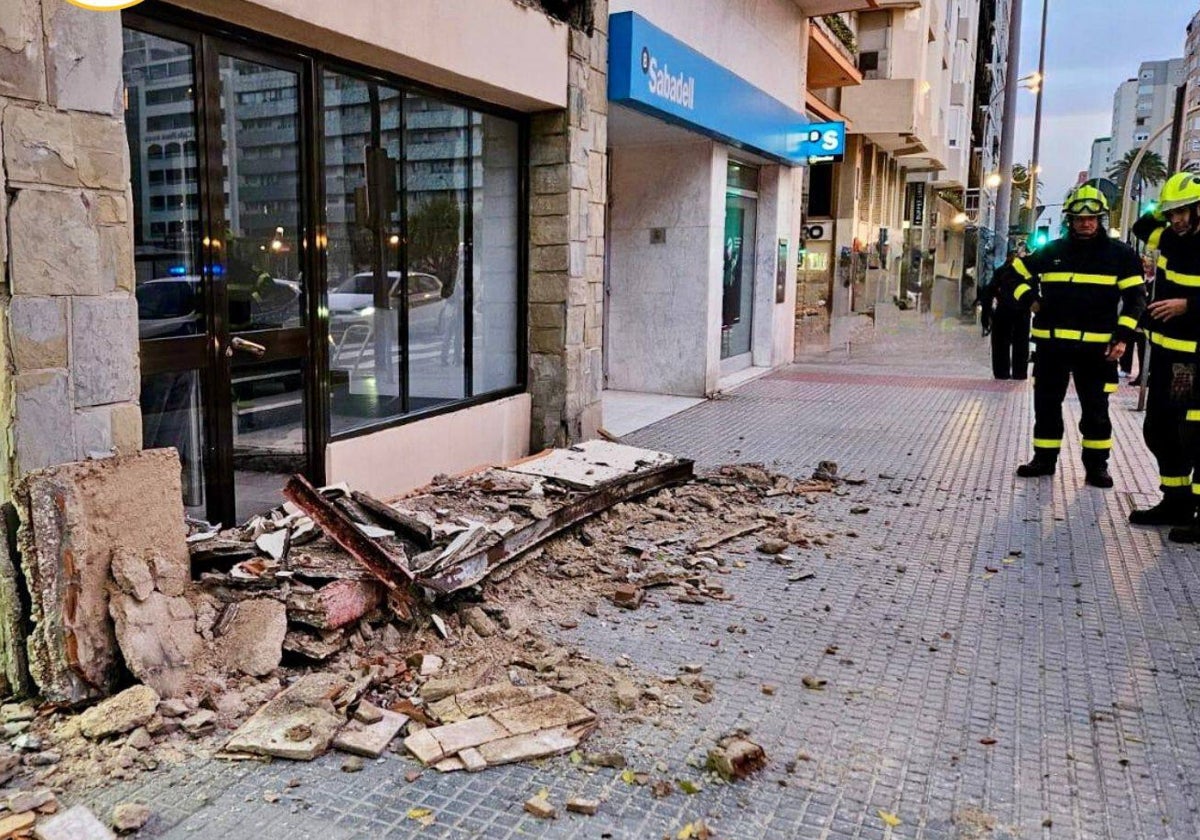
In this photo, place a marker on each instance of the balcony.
(830, 64)
(816, 8)
(892, 113)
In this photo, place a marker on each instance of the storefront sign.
(656, 74)
(823, 142)
(916, 204)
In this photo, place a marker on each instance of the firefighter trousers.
(1095, 377)
(1170, 436)
(1010, 344)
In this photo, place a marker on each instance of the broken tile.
(28, 800)
(533, 745)
(540, 807)
(304, 710)
(486, 698)
(546, 713)
(370, 739)
(472, 760)
(129, 816)
(576, 805)
(17, 825)
(77, 823)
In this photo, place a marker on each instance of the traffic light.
(1040, 237)
(1149, 207)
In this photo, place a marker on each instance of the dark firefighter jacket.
(1078, 284)
(1178, 276)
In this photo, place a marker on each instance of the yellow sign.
(104, 5)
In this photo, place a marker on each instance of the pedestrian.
(1172, 323)
(1006, 322)
(1138, 345)
(1087, 294)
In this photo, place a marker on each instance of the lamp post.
(1008, 126)
(1037, 114)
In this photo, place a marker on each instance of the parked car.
(352, 301)
(174, 306)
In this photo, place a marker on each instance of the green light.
(1150, 206)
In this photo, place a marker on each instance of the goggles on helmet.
(1085, 207)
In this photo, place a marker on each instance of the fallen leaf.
(688, 786)
(418, 813)
(987, 742)
(628, 776)
(576, 757)
(988, 575)
(889, 819)
(814, 683)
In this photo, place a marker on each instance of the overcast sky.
(1091, 47)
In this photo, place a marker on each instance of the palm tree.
(1152, 171)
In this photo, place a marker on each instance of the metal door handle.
(239, 343)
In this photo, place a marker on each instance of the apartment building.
(1144, 103)
(1102, 158)
(1191, 68)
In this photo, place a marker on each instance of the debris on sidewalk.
(736, 757)
(340, 621)
(77, 823)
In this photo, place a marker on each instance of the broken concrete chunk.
(773, 546)
(540, 807)
(132, 574)
(440, 687)
(129, 816)
(307, 703)
(576, 805)
(17, 825)
(736, 757)
(157, 638)
(478, 620)
(28, 800)
(314, 646)
(371, 739)
(200, 723)
(78, 823)
(533, 745)
(486, 698)
(117, 715)
(253, 639)
(628, 596)
(75, 518)
(368, 713)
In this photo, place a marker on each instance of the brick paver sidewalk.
(1004, 658)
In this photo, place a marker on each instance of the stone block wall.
(70, 377)
(568, 198)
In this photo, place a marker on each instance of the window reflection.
(161, 126)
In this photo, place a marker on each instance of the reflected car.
(174, 306)
(352, 301)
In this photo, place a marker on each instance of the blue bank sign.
(822, 142)
(654, 73)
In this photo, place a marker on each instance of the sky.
(1091, 47)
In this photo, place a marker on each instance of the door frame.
(207, 353)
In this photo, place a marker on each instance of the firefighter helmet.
(1181, 189)
(1086, 201)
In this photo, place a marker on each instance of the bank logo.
(104, 5)
(679, 89)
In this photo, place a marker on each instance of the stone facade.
(66, 240)
(568, 197)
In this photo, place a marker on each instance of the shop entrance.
(222, 269)
(737, 274)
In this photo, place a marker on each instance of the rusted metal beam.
(342, 530)
(476, 567)
(407, 527)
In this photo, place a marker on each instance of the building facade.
(1102, 158)
(1190, 152)
(1144, 103)
(300, 238)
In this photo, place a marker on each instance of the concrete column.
(568, 197)
(66, 239)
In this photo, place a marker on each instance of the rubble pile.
(340, 621)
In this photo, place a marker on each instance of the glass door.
(258, 267)
(220, 219)
(737, 288)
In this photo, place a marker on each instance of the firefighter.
(1007, 323)
(1172, 424)
(1074, 286)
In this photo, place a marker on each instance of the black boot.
(1175, 509)
(1097, 476)
(1189, 533)
(1039, 465)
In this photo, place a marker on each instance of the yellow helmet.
(1086, 201)
(1181, 189)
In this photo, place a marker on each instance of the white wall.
(658, 307)
(763, 41)
(396, 460)
(492, 49)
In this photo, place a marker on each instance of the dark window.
(820, 191)
(868, 61)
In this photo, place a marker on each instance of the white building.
(1191, 59)
(1102, 158)
(1142, 104)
